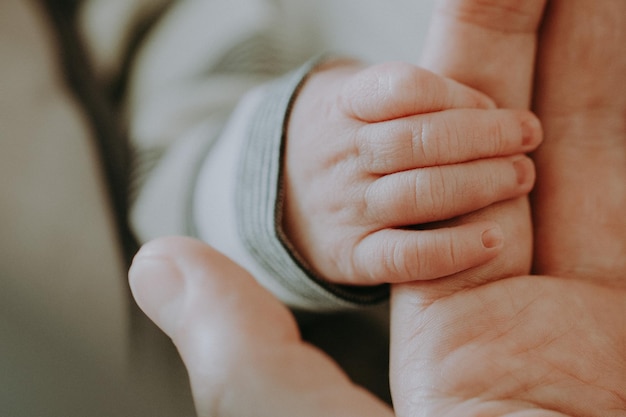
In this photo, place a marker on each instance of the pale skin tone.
(552, 344)
(584, 113)
(241, 346)
(528, 346)
(373, 152)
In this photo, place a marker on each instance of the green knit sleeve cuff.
(259, 204)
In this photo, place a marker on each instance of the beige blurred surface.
(64, 315)
(67, 344)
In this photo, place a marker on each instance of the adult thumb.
(241, 346)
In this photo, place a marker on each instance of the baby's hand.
(378, 159)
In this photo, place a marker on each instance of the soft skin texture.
(581, 96)
(240, 345)
(490, 46)
(379, 159)
(526, 346)
(541, 345)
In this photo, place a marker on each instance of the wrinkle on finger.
(505, 17)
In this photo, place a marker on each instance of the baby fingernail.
(522, 169)
(492, 238)
(531, 131)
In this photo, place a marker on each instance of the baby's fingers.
(446, 137)
(392, 90)
(398, 255)
(443, 192)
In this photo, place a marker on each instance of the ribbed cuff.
(259, 204)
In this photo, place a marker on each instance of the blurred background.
(65, 335)
(72, 341)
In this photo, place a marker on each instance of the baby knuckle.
(447, 250)
(420, 141)
(395, 79)
(365, 265)
(445, 141)
(497, 135)
(504, 135)
(370, 202)
(381, 151)
(436, 256)
(386, 80)
(404, 72)
(491, 185)
(395, 262)
(343, 263)
(432, 191)
(368, 150)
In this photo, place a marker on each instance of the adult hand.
(580, 199)
(240, 345)
(524, 346)
(542, 345)
(490, 46)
